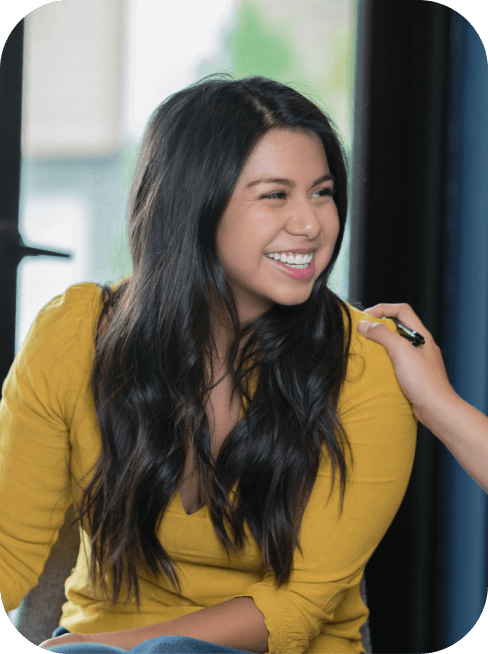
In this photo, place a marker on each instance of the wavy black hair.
(151, 379)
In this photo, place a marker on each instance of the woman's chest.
(222, 418)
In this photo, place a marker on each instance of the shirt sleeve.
(381, 429)
(39, 397)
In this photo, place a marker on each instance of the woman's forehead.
(282, 150)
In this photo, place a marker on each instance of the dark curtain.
(412, 177)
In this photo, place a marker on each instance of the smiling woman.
(236, 448)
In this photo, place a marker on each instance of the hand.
(420, 371)
(122, 639)
(64, 640)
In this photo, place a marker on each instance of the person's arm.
(423, 378)
(237, 623)
(38, 402)
(464, 431)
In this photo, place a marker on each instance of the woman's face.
(282, 202)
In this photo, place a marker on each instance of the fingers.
(379, 333)
(402, 312)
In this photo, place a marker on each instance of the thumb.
(377, 332)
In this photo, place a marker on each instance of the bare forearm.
(237, 623)
(464, 431)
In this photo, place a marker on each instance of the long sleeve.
(336, 546)
(39, 398)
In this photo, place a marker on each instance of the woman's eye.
(323, 192)
(282, 195)
(279, 195)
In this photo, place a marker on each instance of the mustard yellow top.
(48, 422)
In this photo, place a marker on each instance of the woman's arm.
(422, 376)
(237, 623)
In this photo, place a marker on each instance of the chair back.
(365, 632)
(42, 606)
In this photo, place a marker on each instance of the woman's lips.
(295, 273)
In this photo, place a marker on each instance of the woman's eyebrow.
(289, 182)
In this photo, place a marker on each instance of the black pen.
(414, 337)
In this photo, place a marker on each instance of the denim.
(159, 645)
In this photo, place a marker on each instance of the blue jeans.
(160, 645)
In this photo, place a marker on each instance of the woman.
(240, 450)
(422, 376)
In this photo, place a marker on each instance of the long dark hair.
(151, 377)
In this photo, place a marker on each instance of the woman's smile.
(287, 264)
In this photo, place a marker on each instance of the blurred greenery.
(118, 255)
(252, 47)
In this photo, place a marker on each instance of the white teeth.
(291, 258)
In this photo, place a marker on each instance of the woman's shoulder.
(359, 342)
(79, 303)
(369, 367)
(76, 299)
(66, 324)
